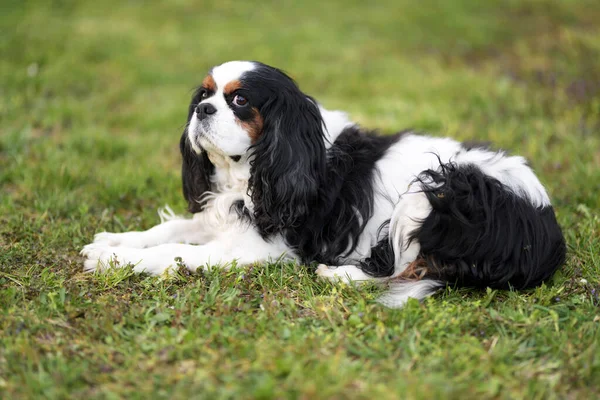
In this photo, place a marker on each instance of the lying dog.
(268, 173)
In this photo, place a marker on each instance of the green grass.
(93, 97)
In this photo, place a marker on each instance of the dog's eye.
(204, 94)
(239, 100)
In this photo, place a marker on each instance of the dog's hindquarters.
(481, 220)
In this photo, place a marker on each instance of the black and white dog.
(270, 174)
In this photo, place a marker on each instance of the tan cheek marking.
(231, 87)
(254, 127)
(209, 84)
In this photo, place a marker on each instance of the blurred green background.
(93, 98)
(96, 76)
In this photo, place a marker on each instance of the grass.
(93, 98)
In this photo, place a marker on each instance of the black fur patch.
(195, 169)
(480, 234)
(339, 214)
(381, 262)
(240, 209)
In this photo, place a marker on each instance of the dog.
(269, 174)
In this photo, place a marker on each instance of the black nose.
(204, 110)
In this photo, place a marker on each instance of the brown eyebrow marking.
(209, 84)
(232, 87)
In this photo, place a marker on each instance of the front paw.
(99, 257)
(126, 239)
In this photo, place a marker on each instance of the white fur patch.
(230, 71)
(335, 122)
(512, 171)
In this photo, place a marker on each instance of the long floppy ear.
(288, 164)
(195, 175)
(196, 169)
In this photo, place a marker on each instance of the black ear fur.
(288, 165)
(196, 169)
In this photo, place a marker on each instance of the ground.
(93, 97)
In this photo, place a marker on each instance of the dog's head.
(255, 113)
(241, 103)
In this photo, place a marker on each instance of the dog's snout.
(204, 110)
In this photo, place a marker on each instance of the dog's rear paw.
(344, 273)
(331, 273)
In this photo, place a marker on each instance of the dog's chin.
(202, 139)
(205, 138)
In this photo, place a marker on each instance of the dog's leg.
(408, 215)
(243, 247)
(153, 260)
(173, 231)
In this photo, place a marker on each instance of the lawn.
(93, 97)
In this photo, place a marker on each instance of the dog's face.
(226, 116)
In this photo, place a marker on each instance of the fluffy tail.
(401, 290)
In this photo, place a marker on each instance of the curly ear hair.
(288, 165)
(196, 169)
